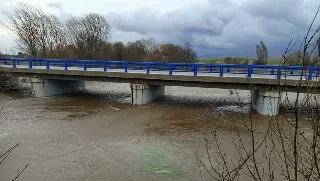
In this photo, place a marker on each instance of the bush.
(228, 60)
(297, 58)
(148, 50)
(315, 60)
(236, 60)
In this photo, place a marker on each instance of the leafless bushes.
(297, 58)
(148, 50)
(236, 60)
(114, 51)
(177, 53)
(43, 36)
(88, 35)
(139, 50)
(4, 81)
(174, 53)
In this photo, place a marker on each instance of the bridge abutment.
(143, 93)
(51, 87)
(266, 102)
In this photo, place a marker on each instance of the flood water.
(98, 135)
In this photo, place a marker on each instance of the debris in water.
(237, 109)
(114, 108)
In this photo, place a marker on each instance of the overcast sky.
(214, 27)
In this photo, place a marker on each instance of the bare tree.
(51, 35)
(190, 55)
(37, 32)
(43, 35)
(88, 35)
(262, 53)
(21, 21)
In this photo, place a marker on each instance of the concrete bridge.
(148, 79)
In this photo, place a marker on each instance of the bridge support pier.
(266, 102)
(51, 87)
(143, 94)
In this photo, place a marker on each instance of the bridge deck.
(162, 72)
(194, 75)
(157, 72)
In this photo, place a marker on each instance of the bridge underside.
(264, 102)
(266, 93)
(140, 93)
(263, 84)
(51, 87)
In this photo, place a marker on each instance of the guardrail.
(195, 68)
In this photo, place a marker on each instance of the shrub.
(297, 58)
(236, 60)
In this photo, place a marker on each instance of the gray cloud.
(57, 5)
(291, 11)
(7, 44)
(195, 19)
(222, 27)
(214, 27)
(61, 13)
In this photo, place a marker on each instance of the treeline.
(311, 57)
(41, 35)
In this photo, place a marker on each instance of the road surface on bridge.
(156, 72)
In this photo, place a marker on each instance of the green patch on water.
(156, 161)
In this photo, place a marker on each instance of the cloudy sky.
(216, 28)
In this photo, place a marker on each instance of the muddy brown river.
(98, 135)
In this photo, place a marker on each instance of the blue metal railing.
(195, 68)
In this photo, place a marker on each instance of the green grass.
(274, 61)
(221, 61)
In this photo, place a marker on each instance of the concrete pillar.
(143, 94)
(266, 102)
(254, 96)
(51, 87)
